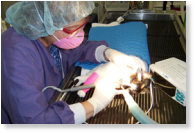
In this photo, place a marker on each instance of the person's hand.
(104, 93)
(122, 60)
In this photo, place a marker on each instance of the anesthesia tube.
(136, 111)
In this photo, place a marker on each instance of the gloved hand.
(122, 60)
(104, 93)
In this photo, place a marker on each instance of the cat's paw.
(81, 93)
(81, 79)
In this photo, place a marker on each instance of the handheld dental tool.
(71, 89)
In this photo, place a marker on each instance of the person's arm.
(88, 109)
(103, 94)
(24, 76)
(86, 52)
(82, 111)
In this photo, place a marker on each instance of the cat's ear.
(144, 91)
(146, 75)
(143, 74)
(139, 74)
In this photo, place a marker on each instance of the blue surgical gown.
(26, 68)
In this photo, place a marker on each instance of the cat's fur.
(132, 80)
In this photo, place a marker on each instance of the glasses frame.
(70, 32)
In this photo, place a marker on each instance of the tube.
(71, 89)
(136, 111)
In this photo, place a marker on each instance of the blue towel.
(129, 38)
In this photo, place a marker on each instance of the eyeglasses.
(70, 32)
(74, 31)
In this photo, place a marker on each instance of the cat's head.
(137, 82)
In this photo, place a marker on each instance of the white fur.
(133, 86)
(81, 93)
(112, 71)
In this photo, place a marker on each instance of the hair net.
(35, 19)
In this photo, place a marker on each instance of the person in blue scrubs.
(45, 39)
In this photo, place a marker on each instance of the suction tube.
(71, 89)
(136, 110)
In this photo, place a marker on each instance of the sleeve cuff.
(79, 113)
(99, 53)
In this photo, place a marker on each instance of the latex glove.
(103, 94)
(122, 60)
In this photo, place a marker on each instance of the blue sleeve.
(83, 53)
(86, 51)
(23, 79)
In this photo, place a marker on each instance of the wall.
(4, 6)
(96, 7)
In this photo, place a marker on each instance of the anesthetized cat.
(135, 81)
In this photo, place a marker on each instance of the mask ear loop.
(56, 38)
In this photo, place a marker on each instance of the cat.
(135, 81)
(140, 85)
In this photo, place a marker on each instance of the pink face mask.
(71, 42)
